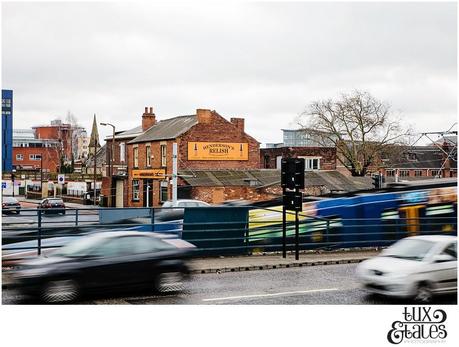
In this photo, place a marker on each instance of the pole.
(112, 190)
(148, 195)
(95, 167)
(12, 179)
(41, 173)
(174, 174)
(284, 228)
(297, 236)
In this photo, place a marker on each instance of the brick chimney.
(204, 116)
(239, 123)
(148, 118)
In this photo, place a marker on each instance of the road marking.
(272, 294)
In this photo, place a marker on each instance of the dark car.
(10, 204)
(52, 205)
(105, 261)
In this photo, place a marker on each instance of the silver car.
(415, 267)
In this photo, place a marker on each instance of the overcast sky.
(261, 61)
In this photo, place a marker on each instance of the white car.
(415, 267)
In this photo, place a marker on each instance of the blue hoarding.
(7, 130)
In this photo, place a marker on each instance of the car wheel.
(169, 282)
(424, 294)
(59, 291)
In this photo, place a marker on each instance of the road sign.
(61, 179)
(3, 185)
(292, 173)
(293, 201)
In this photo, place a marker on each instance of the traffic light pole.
(284, 228)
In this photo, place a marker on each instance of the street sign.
(61, 178)
(3, 185)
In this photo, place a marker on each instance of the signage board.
(218, 151)
(61, 178)
(149, 173)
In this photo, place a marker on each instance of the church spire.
(94, 140)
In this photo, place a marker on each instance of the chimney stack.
(239, 123)
(148, 119)
(204, 116)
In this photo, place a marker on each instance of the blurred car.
(105, 261)
(52, 205)
(171, 211)
(415, 267)
(236, 203)
(10, 204)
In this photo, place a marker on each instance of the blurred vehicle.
(168, 212)
(105, 261)
(415, 267)
(10, 204)
(236, 203)
(52, 205)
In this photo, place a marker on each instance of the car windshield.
(413, 249)
(55, 200)
(78, 248)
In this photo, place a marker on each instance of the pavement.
(258, 262)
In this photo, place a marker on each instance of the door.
(147, 193)
(119, 193)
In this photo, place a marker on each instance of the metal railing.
(35, 230)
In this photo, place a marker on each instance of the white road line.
(272, 294)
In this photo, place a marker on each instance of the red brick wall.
(50, 158)
(62, 133)
(327, 162)
(212, 128)
(218, 129)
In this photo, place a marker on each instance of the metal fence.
(214, 231)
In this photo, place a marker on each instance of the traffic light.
(377, 181)
(292, 173)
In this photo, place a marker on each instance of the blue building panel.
(7, 130)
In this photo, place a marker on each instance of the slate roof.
(427, 157)
(332, 180)
(167, 129)
(100, 158)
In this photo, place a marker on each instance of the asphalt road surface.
(329, 284)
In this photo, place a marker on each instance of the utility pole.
(95, 167)
(111, 163)
(174, 174)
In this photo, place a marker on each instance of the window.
(451, 250)
(418, 173)
(163, 195)
(311, 163)
(434, 173)
(19, 157)
(122, 152)
(404, 173)
(135, 190)
(136, 157)
(148, 156)
(34, 156)
(163, 155)
(390, 173)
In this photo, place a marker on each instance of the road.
(328, 284)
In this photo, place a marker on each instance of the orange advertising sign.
(149, 173)
(218, 151)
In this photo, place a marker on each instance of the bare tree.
(361, 128)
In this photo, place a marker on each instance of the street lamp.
(112, 160)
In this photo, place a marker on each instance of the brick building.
(28, 152)
(422, 162)
(205, 140)
(316, 158)
(59, 131)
